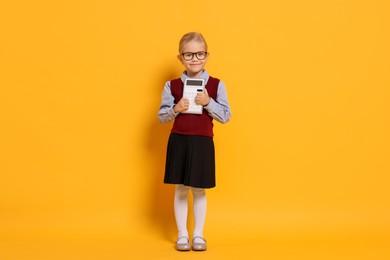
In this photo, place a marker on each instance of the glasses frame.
(194, 54)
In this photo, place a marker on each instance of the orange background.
(302, 167)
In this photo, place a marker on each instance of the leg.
(200, 205)
(181, 211)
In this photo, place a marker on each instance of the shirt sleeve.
(166, 113)
(219, 109)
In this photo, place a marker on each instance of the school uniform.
(190, 158)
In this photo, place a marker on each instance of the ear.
(180, 58)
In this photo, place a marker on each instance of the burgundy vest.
(193, 124)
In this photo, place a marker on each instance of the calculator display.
(194, 82)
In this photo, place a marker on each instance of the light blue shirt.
(218, 109)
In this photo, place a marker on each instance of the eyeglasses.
(200, 55)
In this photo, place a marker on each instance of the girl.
(190, 160)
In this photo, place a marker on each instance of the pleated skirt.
(190, 161)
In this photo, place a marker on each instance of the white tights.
(181, 210)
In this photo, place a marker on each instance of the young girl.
(190, 160)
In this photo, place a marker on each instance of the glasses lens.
(188, 55)
(201, 55)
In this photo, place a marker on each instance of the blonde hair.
(191, 36)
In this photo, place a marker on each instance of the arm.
(219, 109)
(168, 109)
(166, 112)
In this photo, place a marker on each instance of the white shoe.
(199, 246)
(183, 246)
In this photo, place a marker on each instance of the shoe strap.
(181, 238)
(199, 238)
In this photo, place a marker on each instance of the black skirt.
(190, 161)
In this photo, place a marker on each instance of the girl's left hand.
(202, 98)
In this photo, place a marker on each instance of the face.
(194, 66)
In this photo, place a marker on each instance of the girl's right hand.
(182, 106)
